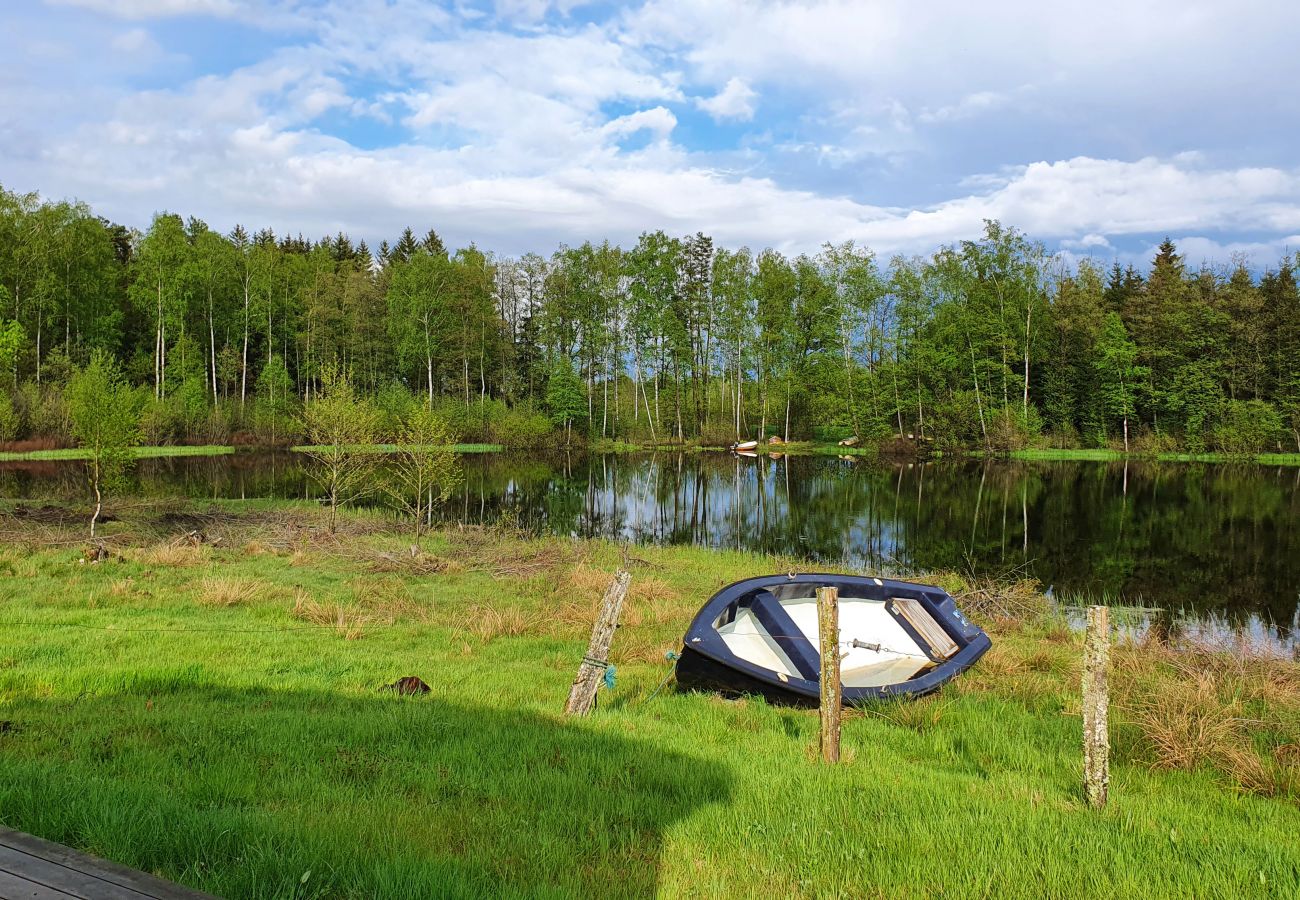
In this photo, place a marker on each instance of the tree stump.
(1096, 704)
(828, 625)
(592, 668)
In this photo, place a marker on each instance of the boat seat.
(796, 645)
(941, 644)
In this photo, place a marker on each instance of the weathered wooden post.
(1096, 703)
(592, 668)
(828, 625)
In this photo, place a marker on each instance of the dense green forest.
(990, 343)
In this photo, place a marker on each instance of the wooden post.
(828, 625)
(592, 668)
(1096, 702)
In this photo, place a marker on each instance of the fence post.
(828, 624)
(1096, 703)
(592, 668)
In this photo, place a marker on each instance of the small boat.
(744, 445)
(849, 441)
(760, 636)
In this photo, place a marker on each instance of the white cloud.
(734, 101)
(1088, 242)
(658, 121)
(149, 9)
(967, 107)
(515, 134)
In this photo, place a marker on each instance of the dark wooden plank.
(15, 887)
(59, 877)
(113, 880)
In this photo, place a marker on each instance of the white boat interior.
(875, 649)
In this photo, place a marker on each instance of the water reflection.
(1219, 543)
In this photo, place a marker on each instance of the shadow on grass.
(242, 792)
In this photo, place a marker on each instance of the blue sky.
(1096, 127)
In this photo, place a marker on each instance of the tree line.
(992, 342)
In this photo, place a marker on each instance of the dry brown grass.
(1003, 603)
(503, 554)
(229, 590)
(414, 562)
(1196, 709)
(488, 622)
(17, 563)
(348, 622)
(169, 555)
(386, 599)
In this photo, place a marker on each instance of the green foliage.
(1014, 427)
(105, 421)
(11, 340)
(340, 428)
(521, 426)
(674, 339)
(1118, 377)
(566, 398)
(276, 401)
(8, 418)
(1248, 427)
(423, 469)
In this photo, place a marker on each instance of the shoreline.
(794, 448)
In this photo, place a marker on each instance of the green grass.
(140, 452)
(1279, 459)
(238, 747)
(208, 450)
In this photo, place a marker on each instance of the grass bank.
(212, 712)
(211, 450)
(1272, 459)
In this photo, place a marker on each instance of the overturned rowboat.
(760, 636)
(743, 445)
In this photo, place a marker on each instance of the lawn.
(214, 714)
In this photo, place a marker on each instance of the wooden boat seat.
(941, 645)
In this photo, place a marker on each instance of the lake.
(1211, 549)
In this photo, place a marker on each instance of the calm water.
(1199, 547)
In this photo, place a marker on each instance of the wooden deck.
(34, 869)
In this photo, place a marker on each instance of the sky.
(1098, 127)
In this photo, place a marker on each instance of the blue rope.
(670, 656)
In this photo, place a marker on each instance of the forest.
(991, 343)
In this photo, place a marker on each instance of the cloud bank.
(522, 124)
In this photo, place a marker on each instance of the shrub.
(521, 426)
(8, 420)
(1014, 428)
(395, 405)
(955, 423)
(1247, 427)
(42, 411)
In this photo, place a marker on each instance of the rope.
(607, 667)
(672, 670)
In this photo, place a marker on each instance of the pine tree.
(406, 247)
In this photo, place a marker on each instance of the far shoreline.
(793, 448)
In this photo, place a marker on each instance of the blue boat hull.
(708, 663)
